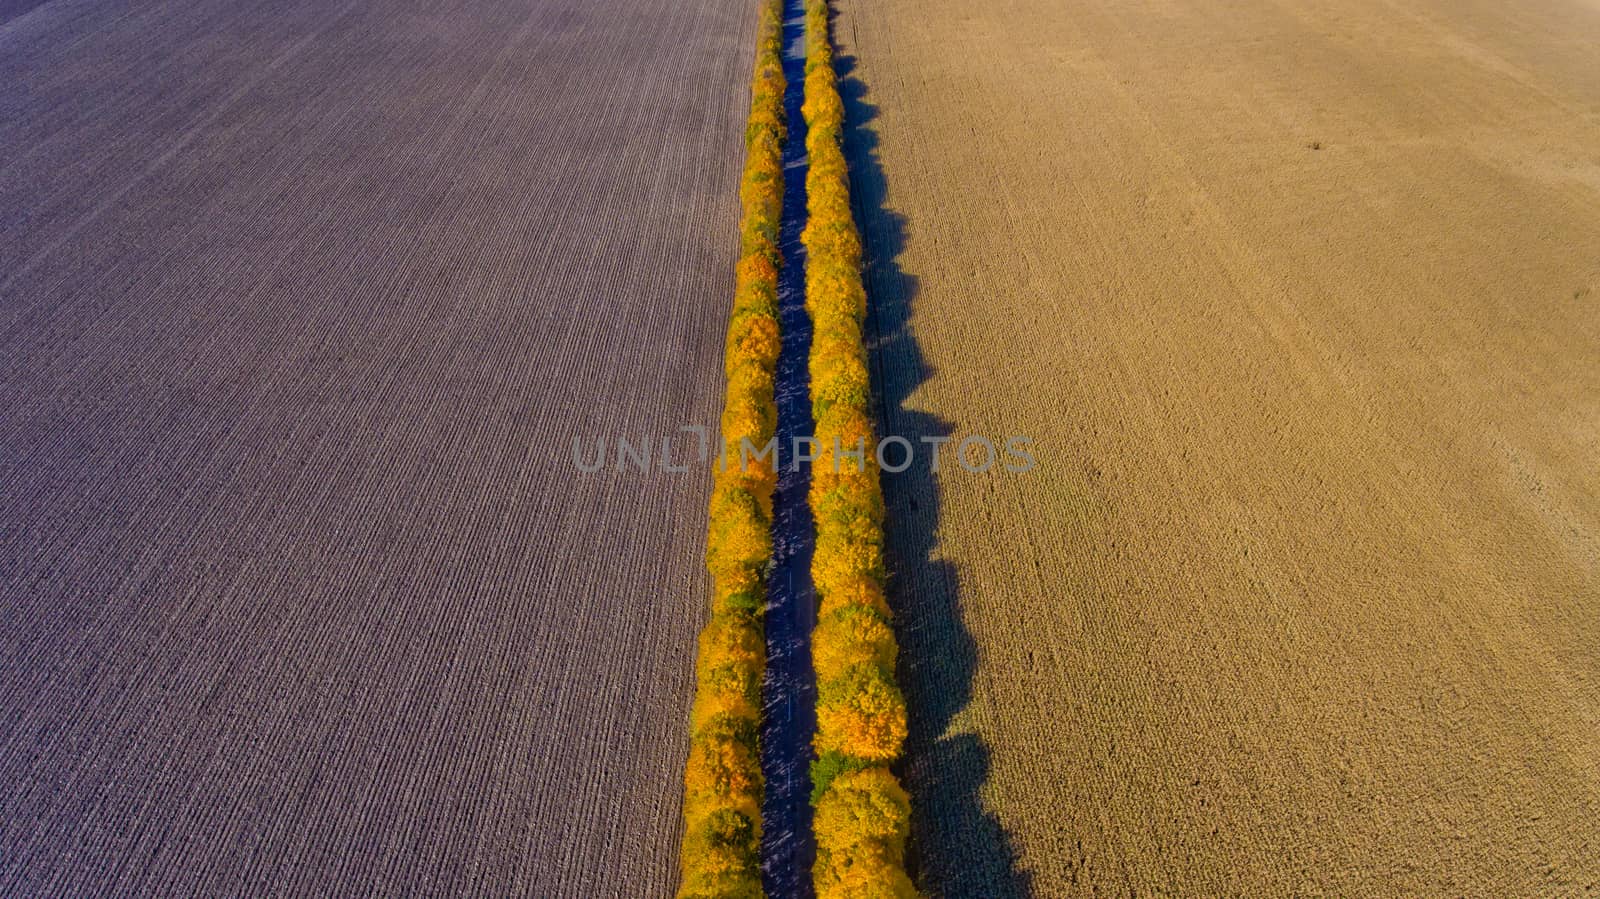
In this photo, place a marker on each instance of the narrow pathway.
(789, 694)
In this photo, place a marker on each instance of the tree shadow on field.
(957, 848)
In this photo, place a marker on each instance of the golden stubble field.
(1301, 307)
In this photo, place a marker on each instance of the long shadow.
(957, 848)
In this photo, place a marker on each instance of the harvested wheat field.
(301, 307)
(1300, 306)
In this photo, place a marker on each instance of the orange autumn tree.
(722, 780)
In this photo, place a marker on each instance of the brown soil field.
(1300, 306)
(301, 307)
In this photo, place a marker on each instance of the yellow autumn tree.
(862, 815)
(720, 855)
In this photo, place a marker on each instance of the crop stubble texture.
(1298, 304)
(862, 814)
(301, 307)
(723, 785)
